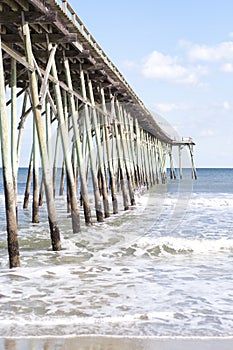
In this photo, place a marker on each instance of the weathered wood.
(180, 161)
(48, 128)
(147, 155)
(8, 181)
(54, 230)
(65, 145)
(138, 153)
(163, 165)
(131, 146)
(88, 132)
(126, 158)
(153, 159)
(55, 161)
(14, 157)
(98, 150)
(77, 143)
(121, 144)
(41, 194)
(144, 159)
(194, 172)
(41, 38)
(30, 17)
(121, 166)
(12, 4)
(62, 180)
(28, 183)
(44, 85)
(21, 126)
(35, 198)
(109, 157)
(172, 169)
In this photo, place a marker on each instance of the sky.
(178, 58)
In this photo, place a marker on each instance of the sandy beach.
(117, 343)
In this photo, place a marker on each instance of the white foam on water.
(129, 274)
(217, 202)
(174, 245)
(56, 321)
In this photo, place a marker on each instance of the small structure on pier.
(53, 74)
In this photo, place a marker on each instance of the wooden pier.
(54, 75)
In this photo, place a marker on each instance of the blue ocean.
(163, 268)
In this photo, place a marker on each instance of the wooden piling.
(153, 160)
(194, 172)
(121, 168)
(52, 217)
(65, 146)
(138, 153)
(147, 155)
(106, 138)
(55, 160)
(88, 132)
(78, 147)
(62, 180)
(180, 161)
(8, 181)
(131, 146)
(126, 158)
(14, 156)
(28, 183)
(41, 193)
(24, 115)
(172, 169)
(35, 198)
(98, 151)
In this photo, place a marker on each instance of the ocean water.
(163, 268)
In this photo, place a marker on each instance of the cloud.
(168, 68)
(200, 112)
(227, 67)
(207, 133)
(130, 65)
(227, 106)
(219, 53)
(166, 107)
(170, 107)
(193, 62)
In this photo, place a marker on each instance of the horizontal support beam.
(30, 17)
(61, 53)
(41, 38)
(183, 142)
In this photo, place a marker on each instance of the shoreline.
(101, 342)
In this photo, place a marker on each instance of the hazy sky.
(178, 57)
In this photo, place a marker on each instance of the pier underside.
(84, 117)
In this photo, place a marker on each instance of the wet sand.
(116, 343)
